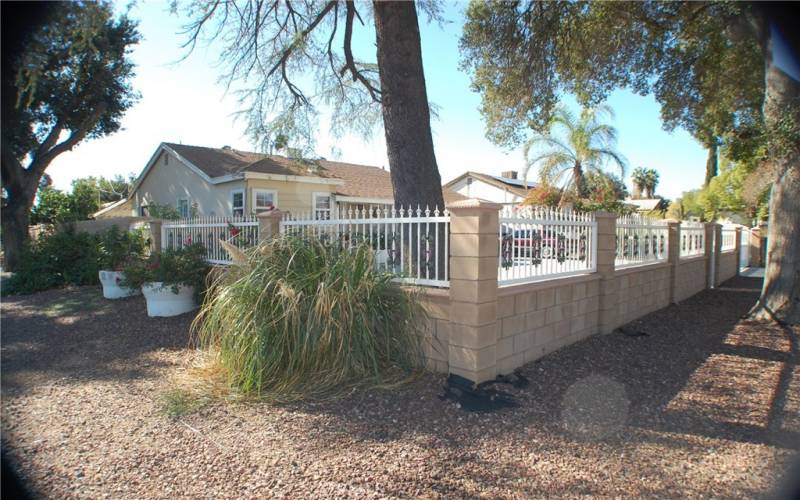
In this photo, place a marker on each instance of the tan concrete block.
(438, 308)
(433, 349)
(535, 319)
(508, 365)
(523, 342)
(513, 325)
(476, 337)
(474, 245)
(577, 324)
(524, 302)
(474, 223)
(472, 359)
(553, 315)
(505, 306)
(473, 268)
(477, 376)
(533, 354)
(564, 294)
(579, 291)
(592, 288)
(505, 347)
(606, 242)
(443, 330)
(544, 334)
(546, 298)
(473, 290)
(466, 313)
(562, 328)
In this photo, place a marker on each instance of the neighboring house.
(647, 205)
(506, 188)
(226, 182)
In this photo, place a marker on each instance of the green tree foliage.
(86, 197)
(573, 146)
(712, 66)
(524, 55)
(69, 81)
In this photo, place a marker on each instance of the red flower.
(189, 240)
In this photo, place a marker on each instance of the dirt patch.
(704, 405)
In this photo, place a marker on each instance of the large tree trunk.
(406, 117)
(780, 295)
(15, 221)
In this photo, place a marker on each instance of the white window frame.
(256, 192)
(244, 202)
(188, 207)
(321, 194)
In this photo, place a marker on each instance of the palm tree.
(572, 146)
(650, 182)
(639, 179)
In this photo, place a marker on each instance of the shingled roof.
(360, 181)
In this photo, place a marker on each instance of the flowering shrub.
(173, 267)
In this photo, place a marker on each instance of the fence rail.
(241, 232)
(728, 238)
(693, 235)
(411, 243)
(640, 240)
(538, 243)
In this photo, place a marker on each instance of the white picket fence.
(693, 236)
(538, 243)
(241, 232)
(411, 243)
(728, 238)
(640, 240)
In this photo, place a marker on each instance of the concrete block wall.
(691, 277)
(642, 290)
(436, 328)
(728, 266)
(539, 318)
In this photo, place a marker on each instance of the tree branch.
(40, 162)
(350, 63)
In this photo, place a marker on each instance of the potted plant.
(116, 249)
(171, 281)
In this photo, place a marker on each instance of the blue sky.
(183, 102)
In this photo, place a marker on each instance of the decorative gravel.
(704, 405)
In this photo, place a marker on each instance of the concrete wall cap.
(474, 203)
(270, 214)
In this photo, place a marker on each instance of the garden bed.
(687, 410)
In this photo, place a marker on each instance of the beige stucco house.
(226, 182)
(506, 188)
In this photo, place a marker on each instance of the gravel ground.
(704, 405)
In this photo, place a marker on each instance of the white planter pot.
(111, 285)
(161, 301)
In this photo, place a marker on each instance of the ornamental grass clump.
(301, 317)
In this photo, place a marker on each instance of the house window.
(322, 205)
(237, 202)
(183, 208)
(265, 199)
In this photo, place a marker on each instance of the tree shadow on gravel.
(74, 335)
(697, 357)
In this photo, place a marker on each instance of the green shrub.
(174, 267)
(64, 256)
(301, 318)
(57, 258)
(117, 247)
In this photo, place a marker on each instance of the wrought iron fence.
(241, 232)
(693, 235)
(411, 243)
(640, 240)
(538, 243)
